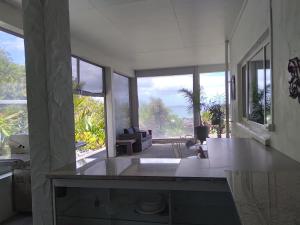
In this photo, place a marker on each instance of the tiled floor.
(163, 151)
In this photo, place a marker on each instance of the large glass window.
(213, 105)
(121, 99)
(13, 104)
(165, 105)
(257, 86)
(89, 108)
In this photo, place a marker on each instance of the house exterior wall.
(285, 33)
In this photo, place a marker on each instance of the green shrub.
(89, 121)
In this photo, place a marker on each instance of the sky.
(166, 88)
(14, 46)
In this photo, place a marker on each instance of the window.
(122, 104)
(244, 88)
(89, 108)
(256, 88)
(268, 88)
(256, 85)
(165, 106)
(13, 103)
(87, 77)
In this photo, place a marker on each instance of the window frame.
(245, 64)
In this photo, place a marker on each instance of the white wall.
(253, 23)
(286, 31)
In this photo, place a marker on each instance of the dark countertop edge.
(135, 178)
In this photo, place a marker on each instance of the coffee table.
(128, 143)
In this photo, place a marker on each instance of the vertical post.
(50, 98)
(134, 102)
(196, 100)
(227, 86)
(110, 114)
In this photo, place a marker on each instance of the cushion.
(144, 134)
(129, 131)
(136, 129)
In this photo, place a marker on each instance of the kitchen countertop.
(15, 160)
(264, 183)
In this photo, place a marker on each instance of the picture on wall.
(232, 88)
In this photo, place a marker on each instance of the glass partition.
(165, 105)
(122, 104)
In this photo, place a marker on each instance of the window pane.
(91, 77)
(268, 85)
(74, 71)
(244, 90)
(164, 107)
(13, 104)
(121, 98)
(257, 88)
(89, 116)
(212, 98)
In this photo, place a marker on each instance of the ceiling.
(156, 33)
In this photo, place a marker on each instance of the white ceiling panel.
(156, 33)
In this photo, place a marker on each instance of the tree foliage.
(89, 121)
(13, 118)
(13, 79)
(157, 116)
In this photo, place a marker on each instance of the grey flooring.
(163, 151)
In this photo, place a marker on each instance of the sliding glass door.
(165, 105)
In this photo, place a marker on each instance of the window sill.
(258, 132)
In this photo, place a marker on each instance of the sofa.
(143, 138)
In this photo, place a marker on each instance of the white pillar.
(134, 102)
(50, 98)
(110, 113)
(196, 93)
(227, 87)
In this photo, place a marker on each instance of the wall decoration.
(294, 82)
(232, 88)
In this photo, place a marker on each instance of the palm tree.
(193, 100)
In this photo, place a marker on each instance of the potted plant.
(217, 117)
